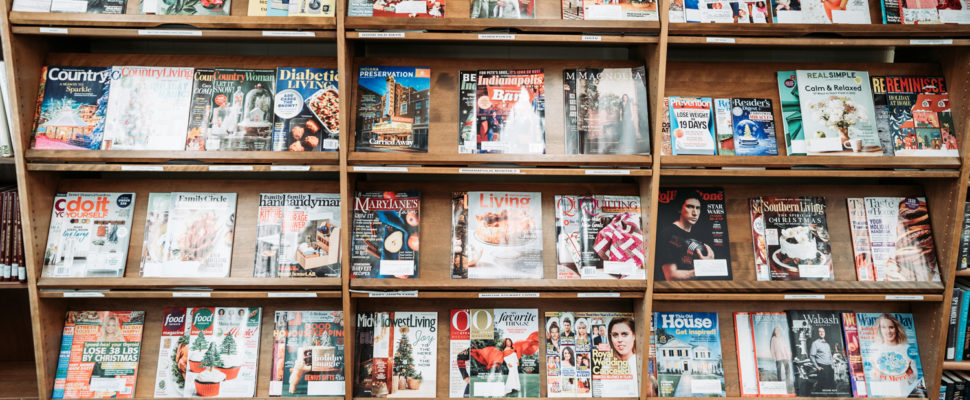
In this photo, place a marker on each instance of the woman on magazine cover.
(512, 384)
(111, 330)
(892, 345)
(622, 338)
(781, 354)
(568, 357)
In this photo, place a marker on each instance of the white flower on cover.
(837, 113)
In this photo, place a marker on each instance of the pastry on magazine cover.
(393, 107)
(71, 116)
(692, 243)
(901, 239)
(99, 355)
(503, 238)
(798, 244)
(689, 360)
(308, 354)
(599, 237)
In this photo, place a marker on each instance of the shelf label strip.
(380, 169)
(507, 295)
(168, 32)
(59, 31)
(804, 297)
(152, 168)
(589, 38)
(83, 294)
(191, 294)
(492, 36)
(607, 172)
(300, 168)
(230, 168)
(380, 34)
(903, 297)
(720, 40)
(489, 171)
(395, 293)
(597, 294)
(930, 42)
(291, 294)
(288, 34)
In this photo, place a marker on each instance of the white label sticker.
(597, 295)
(83, 294)
(588, 38)
(619, 267)
(153, 168)
(288, 34)
(492, 36)
(380, 34)
(489, 389)
(289, 167)
(607, 172)
(275, 388)
(330, 144)
(191, 294)
(506, 295)
(230, 168)
(397, 267)
(717, 267)
(98, 384)
(396, 293)
(903, 297)
(930, 41)
(291, 294)
(720, 40)
(804, 297)
(168, 32)
(704, 386)
(60, 31)
(489, 171)
(813, 270)
(380, 169)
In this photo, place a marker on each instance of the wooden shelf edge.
(485, 170)
(490, 285)
(149, 21)
(811, 173)
(779, 287)
(548, 160)
(822, 162)
(734, 40)
(210, 157)
(181, 283)
(957, 365)
(798, 30)
(965, 272)
(524, 25)
(828, 297)
(570, 39)
(71, 167)
(267, 34)
(216, 294)
(495, 295)
(13, 285)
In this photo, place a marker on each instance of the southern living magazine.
(815, 334)
(467, 118)
(393, 107)
(791, 113)
(853, 352)
(395, 8)
(901, 239)
(689, 354)
(188, 234)
(919, 118)
(306, 106)
(753, 125)
(208, 352)
(797, 238)
(861, 246)
(610, 111)
(880, 103)
(517, 9)
(89, 234)
(99, 355)
(692, 242)
(201, 110)
(503, 236)
(242, 110)
(838, 113)
(503, 355)
(396, 354)
(641, 10)
(692, 125)
(820, 12)
(308, 354)
(945, 12)
(591, 354)
(186, 7)
(599, 237)
(72, 112)
(510, 111)
(298, 235)
(890, 355)
(148, 108)
(385, 242)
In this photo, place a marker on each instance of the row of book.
(954, 385)
(13, 267)
(957, 345)
(824, 112)
(818, 12)
(495, 235)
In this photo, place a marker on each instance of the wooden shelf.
(200, 295)
(874, 30)
(239, 168)
(137, 283)
(499, 170)
(545, 285)
(957, 365)
(737, 286)
(733, 40)
(809, 173)
(168, 34)
(484, 38)
(13, 285)
(211, 157)
(149, 21)
(499, 295)
(568, 160)
(828, 297)
(525, 25)
(826, 162)
(965, 272)
(18, 380)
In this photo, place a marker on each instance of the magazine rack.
(681, 60)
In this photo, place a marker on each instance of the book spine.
(5, 235)
(861, 246)
(951, 329)
(962, 326)
(965, 238)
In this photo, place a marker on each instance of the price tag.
(607, 172)
(587, 38)
(191, 294)
(83, 294)
(152, 168)
(230, 168)
(489, 171)
(288, 34)
(492, 36)
(903, 297)
(597, 294)
(168, 32)
(291, 294)
(380, 35)
(930, 42)
(59, 31)
(720, 40)
(380, 169)
(289, 167)
(507, 295)
(804, 297)
(396, 293)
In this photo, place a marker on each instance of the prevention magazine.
(502, 352)
(701, 372)
(188, 235)
(298, 235)
(838, 113)
(890, 355)
(385, 242)
(502, 238)
(393, 105)
(692, 125)
(148, 108)
(99, 355)
(599, 237)
(308, 354)
(606, 111)
(306, 106)
(73, 108)
(396, 354)
(89, 234)
(692, 241)
(208, 352)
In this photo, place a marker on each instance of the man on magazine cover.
(821, 355)
(683, 241)
(600, 335)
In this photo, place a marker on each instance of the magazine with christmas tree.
(396, 354)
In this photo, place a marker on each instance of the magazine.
(99, 355)
(385, 242)
(396, 8)
(242, 110)
(591, 354)
(917, 12)
(72, 111)
(665, 147)
(298, 235)
(901, 239)
(467, 116)
(503, 352)
(764, 354)
(692, 243)
(918, 116)
(723, 127)
(148, 108)
(606, 111)
(502, 238)
(572, 9)
(721, 11)
(861, 246)
(89, 6)
(312, 8)
(308, 354)
(599, 237)
(689, 360)
(640, 10)
(820, 12)
(797, 238)
(853, 352)
(201, 110)
(272, 8)
(692, 125)
(880, 103)
(759, 242)
(964, 255)
(815, 334)
(838, 113)
(188, 235)
(791, 113)
(89, 234)
(890, 355)
(396, 354)
(208, 352)
(520, 9)
(393, 105)
(510, 111)
(306, 107)
(205, 7)
(753, 127)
